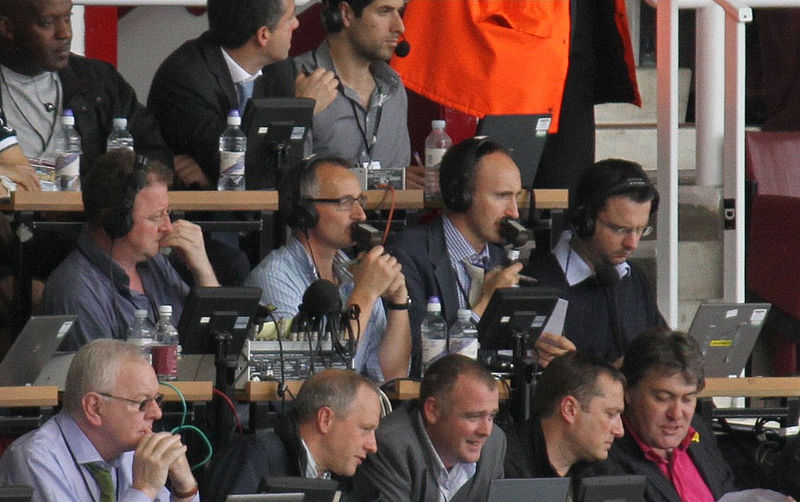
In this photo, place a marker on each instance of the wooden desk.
(192, 391)
(28, 396)
(787, 388)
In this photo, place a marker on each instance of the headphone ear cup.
(118, 222)
(332, 18)
(582, 222)
(304, 215)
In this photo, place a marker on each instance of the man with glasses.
(101, 446)
(117, 267)
(321, 200)
(456, 257)
(610, 301)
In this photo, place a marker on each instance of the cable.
(232, 407)
(183, 400)
(203, 437)
(389, 189)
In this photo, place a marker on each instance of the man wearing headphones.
(117, 268)
(456, 257)
(321, 199)
(610, 301)
(366, 120)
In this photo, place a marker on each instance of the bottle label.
(433, 349)
(433, 156)
(165, 361)
(231, 163)
(465, 346)
(68, 164)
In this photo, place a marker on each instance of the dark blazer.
(422, 252)
(627, 458)
(191, 95)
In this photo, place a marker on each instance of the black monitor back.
(276, 130)
(222, 309)
(524, 135)
(16, 493)
(524, 310)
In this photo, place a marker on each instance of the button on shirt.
(43, 459)
(285, 274)
(449, 482)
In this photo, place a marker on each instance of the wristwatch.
(399, 306)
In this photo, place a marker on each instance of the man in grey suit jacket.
(443, 446)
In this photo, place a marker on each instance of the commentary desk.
(786, 388)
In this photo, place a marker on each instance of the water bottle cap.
(434, 305)
(464, 314)
(68, 118)
(234, 119)
(67, 112)
(437, 124)
(165, 309)
(120, 122)
(140, 313)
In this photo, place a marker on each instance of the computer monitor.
(524, 135)
(515, 310)
(276, 130)
(16, 493)
(267, 497)
(223, 309)
(315, 490)
(612, 488)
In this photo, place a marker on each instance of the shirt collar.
(299, 252)
(80, 445)
(458, 248)
(574, 266)
(311, 464)
(691, 436)
(238, 74)
(459, 473)
(388, 81)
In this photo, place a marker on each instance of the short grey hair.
(95, 369)
(333, 388)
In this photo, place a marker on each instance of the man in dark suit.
(447, 258)
(664, 441)
(197, 86)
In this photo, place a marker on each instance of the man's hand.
(415, 177)
(153, 460)
(186, 239)
(320, 85)
(24, 176)
(550, 346)
(189, 172)
(376, 273)
(494, 279)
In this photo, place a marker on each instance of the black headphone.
(606, 179)
(117, 220)
(457, 169)
(331, 17)
(297, 207)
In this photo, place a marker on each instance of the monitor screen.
(315, 490)
(515, 310)
(221, 309)
(276, 130)
(16, 493)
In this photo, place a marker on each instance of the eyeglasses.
(345, 203)
(621, 231)
(157, 220)
(143, 404)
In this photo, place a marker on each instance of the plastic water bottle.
(142, 332)
(68, 154)
(232, 146)
(120, 138)
(434, 333)
(436, 144)
(165, 350)
(464, 335)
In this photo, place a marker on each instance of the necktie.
(103, 478)
(476, 273)
(245, 93)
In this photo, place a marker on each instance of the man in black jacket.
(664, 441)
(578, 406)
(329, 432)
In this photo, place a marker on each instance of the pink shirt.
(679, 468)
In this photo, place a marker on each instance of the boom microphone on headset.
(402, 49)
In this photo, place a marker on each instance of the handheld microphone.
(402, 49)
(514, 232)
(366, 236)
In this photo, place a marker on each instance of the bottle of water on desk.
(120, 138)
(436, 144)
(165, 350)
(232, 147)
(464, 335)
(434, 333)
(68, 154)
(142, 332)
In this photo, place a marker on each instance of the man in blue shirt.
(102, 446)
(321, 199)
